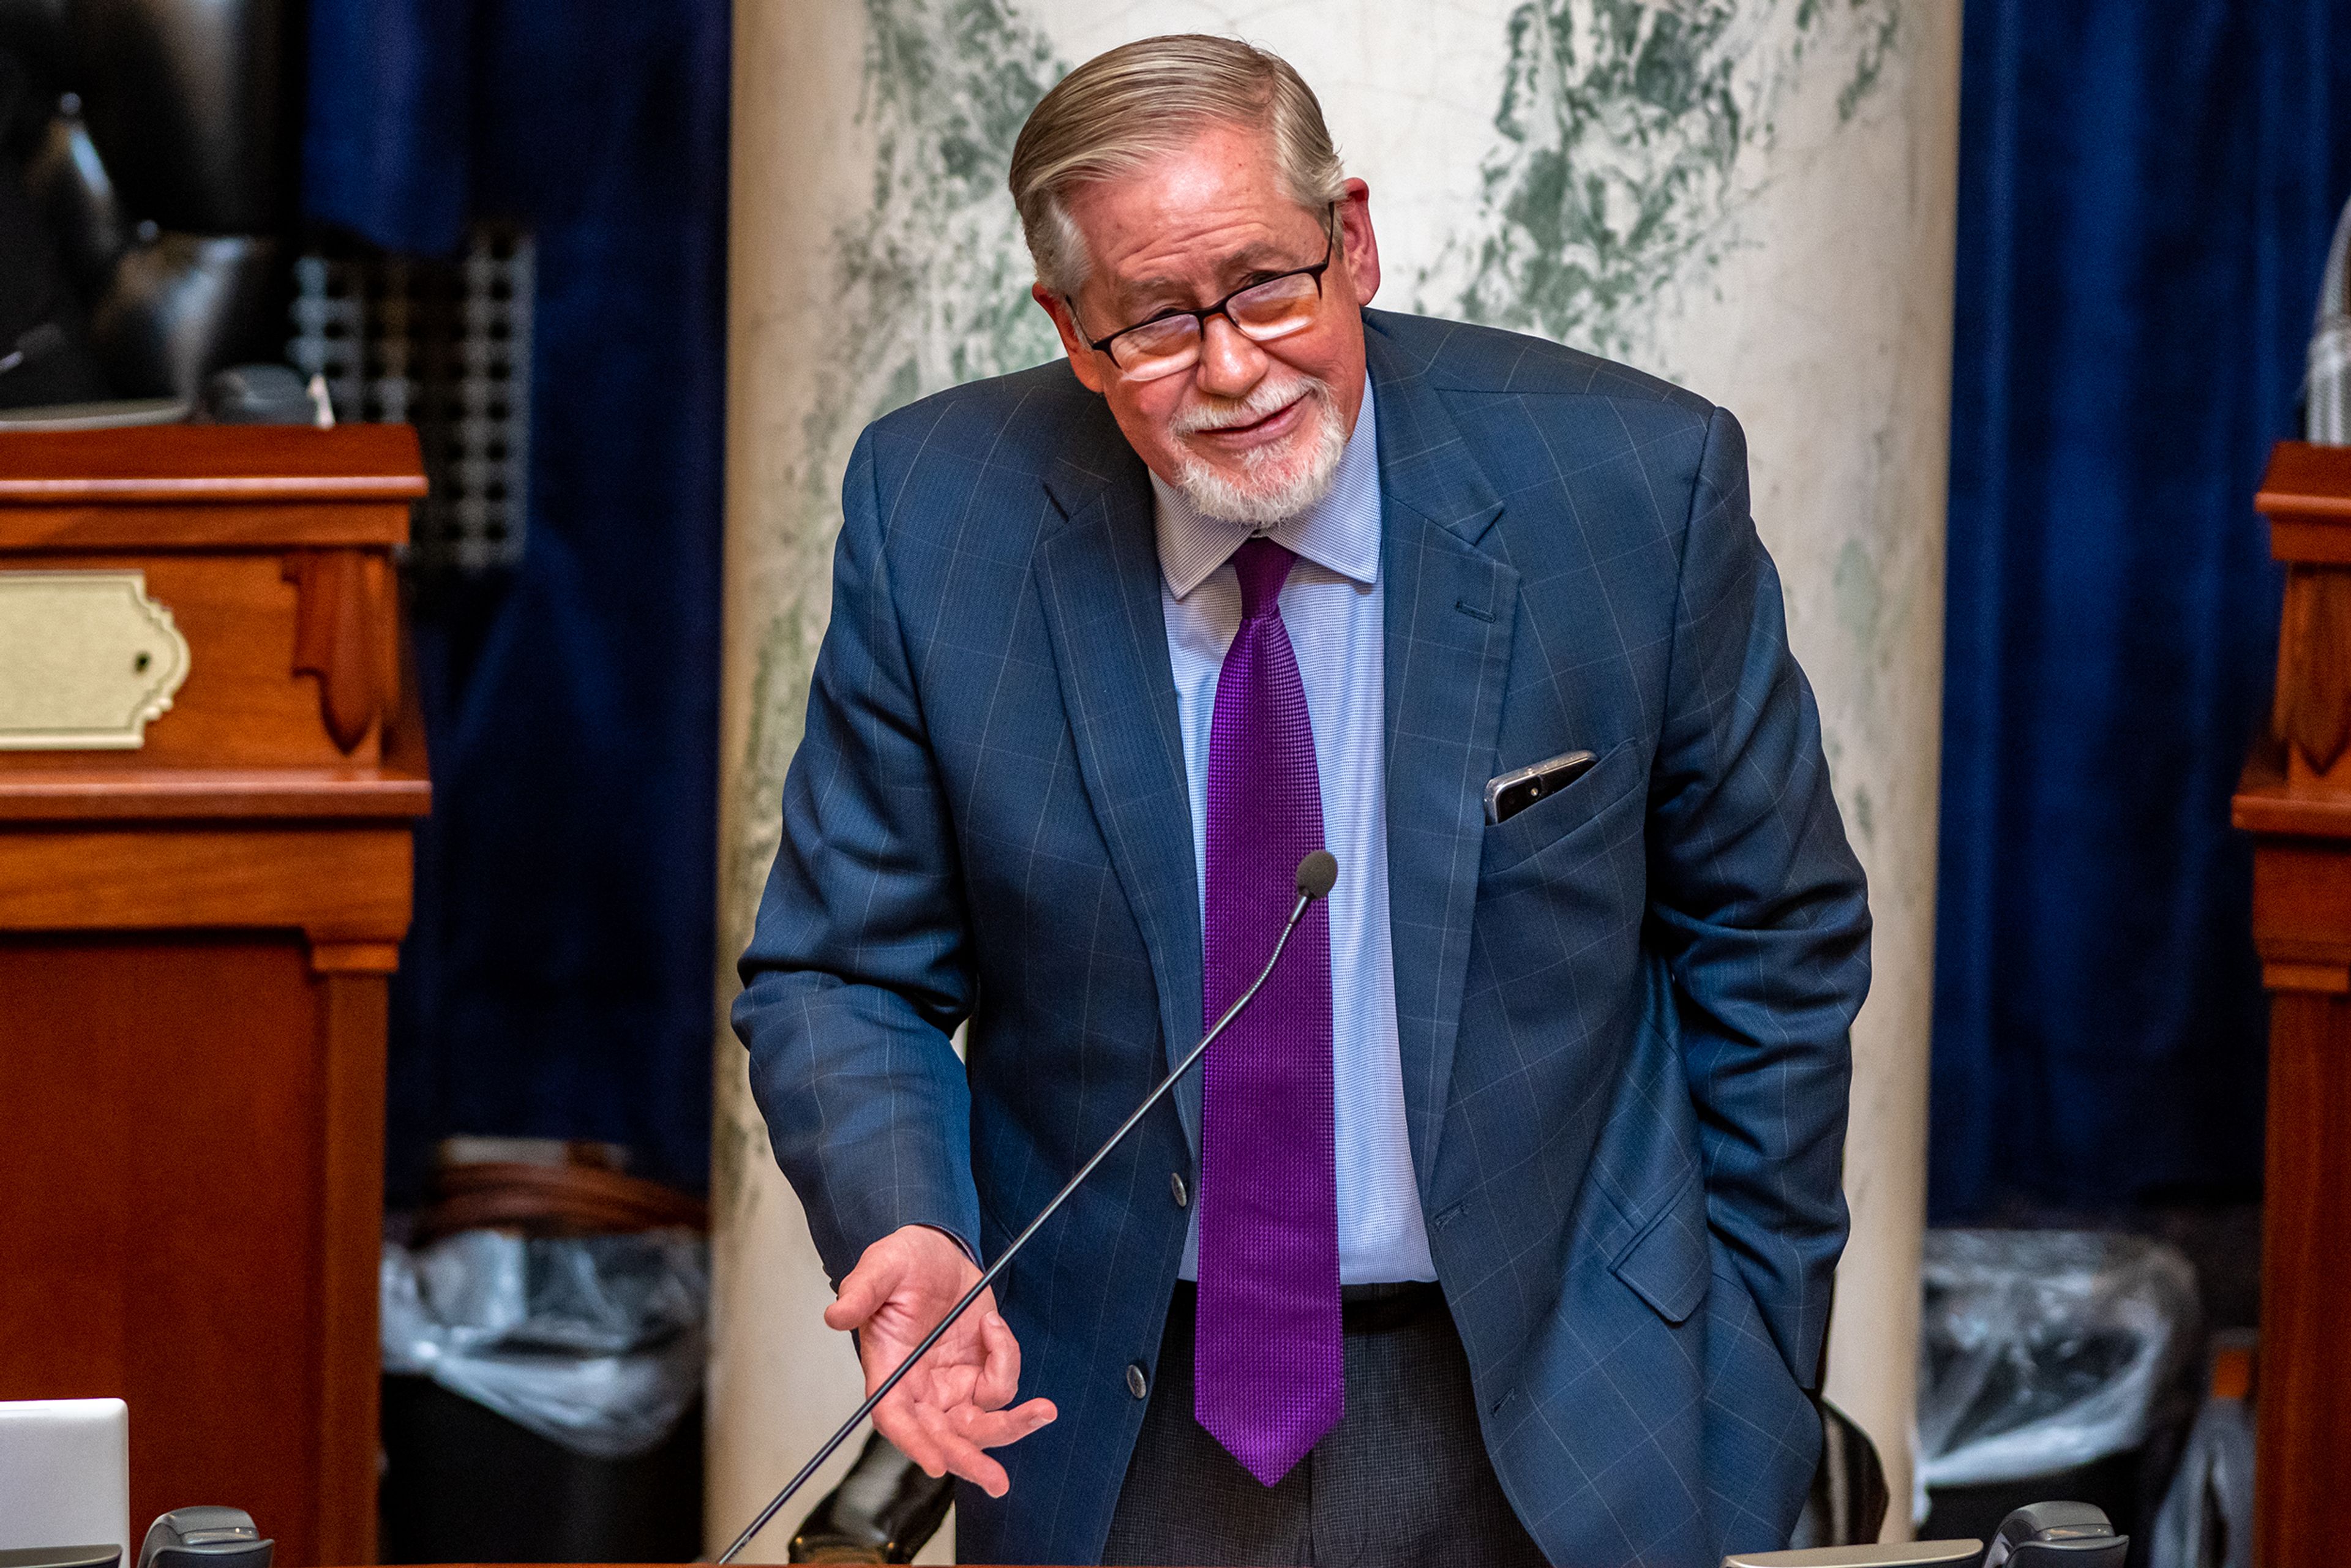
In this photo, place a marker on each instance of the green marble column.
(1752, 197)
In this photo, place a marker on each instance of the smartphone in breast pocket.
(1508, 794)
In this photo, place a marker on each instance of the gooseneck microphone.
(1316, 874)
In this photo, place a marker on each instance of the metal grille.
(444, 345)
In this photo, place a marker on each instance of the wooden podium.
(210, 766)
(2295, 800)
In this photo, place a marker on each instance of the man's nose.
(1230, 365)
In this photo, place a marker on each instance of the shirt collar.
(1341, 531)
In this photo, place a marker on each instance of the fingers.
(915, 1269)
(961, 1455)
(1000, 1369)
(927, 1436)
(951, 1408)
(995, 1428)
(946, 1437)
(865, 1291)
(963, 1434)
(957, 1437)
(897, 1421)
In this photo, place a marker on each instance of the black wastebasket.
(463, 1484)
(542, 1397)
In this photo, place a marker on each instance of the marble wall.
(1752, 197)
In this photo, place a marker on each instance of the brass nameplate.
(87, 660)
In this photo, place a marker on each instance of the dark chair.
(159, 162)
(1848, 1501)
(883, 1510)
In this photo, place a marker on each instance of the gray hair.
(1124, 109)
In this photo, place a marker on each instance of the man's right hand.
(951, 1408)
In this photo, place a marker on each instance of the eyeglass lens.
(1274, 309)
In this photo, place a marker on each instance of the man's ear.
(1362, 246)
(1081, 358)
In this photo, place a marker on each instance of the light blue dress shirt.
(1331, 605)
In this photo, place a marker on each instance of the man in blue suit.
(1503, 1226)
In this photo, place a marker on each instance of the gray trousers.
(1403, 1479)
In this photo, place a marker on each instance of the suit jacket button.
(1178, 1190)
(1136, 1383)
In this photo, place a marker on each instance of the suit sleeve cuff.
(968, 1250)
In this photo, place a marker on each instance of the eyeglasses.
(1269, 309)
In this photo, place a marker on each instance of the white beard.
(1275, 483)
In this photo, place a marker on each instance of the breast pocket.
(1618, 773)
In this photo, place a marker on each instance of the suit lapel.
(1449, 608)
(1098, 576)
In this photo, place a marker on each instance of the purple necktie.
(1266, 1358)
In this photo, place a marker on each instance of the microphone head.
(1316, 872)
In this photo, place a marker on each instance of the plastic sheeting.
(596, 1342)
(2043, 1350)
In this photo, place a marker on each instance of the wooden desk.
(2295, 800)
(195, 931)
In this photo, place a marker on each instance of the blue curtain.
(557, 980)
(2146, 192)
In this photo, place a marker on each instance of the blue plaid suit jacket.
(1623, 1012)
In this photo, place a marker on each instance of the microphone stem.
(979, 1287)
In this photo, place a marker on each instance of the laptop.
(65, 1474)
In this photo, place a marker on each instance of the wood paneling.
(2266, 803)
(2296, 798)
(56, 787)
(49, 528)
(352, 1232)
(166, 1109)
(2305, 488)
(181, 466)
(245, 702)
(348, 883)
(194, 941)
(2303, 1410)
(71, 794)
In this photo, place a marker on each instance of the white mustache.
(1266, 399)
